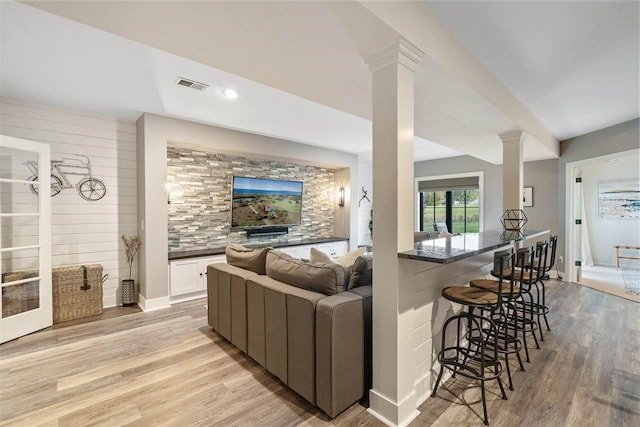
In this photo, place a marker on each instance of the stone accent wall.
(200, 194)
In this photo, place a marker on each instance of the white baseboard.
(389, 412)
(153, 304)
(109, 301)
(189, 297)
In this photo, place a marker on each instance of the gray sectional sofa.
(297, 320)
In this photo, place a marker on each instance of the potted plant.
(132, 243)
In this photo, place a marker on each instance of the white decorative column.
(392, 398)
(512, 169)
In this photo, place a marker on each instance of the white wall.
(365, 179)
(86, 232)
(604, 233)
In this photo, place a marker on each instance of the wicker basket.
(19, 298)
(77, 292)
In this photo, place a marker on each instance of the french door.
(25, 237)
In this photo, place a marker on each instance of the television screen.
(258, 202)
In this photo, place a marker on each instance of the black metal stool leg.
(435, 389)
(538, 312)
(504, 395)
(484, 404)
(544, 304)
(520, 361)
(506, 362)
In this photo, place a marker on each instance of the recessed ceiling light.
(229, 93)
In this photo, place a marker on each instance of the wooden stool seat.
(492, 286)
(470, 296)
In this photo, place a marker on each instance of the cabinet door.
(186, 277)
(325, 247)
(338, 249)
(293, 251)
(304, 251)
(205, 263)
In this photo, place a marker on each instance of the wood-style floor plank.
(168, 368)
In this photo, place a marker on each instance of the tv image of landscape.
(262, 202)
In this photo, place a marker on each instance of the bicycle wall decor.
(87, 186)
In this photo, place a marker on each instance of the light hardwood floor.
(169, 368)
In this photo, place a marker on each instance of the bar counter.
(450, 249)
(422, 275)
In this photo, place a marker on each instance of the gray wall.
(615, 139)
(492, 182)
(200, 209)
(541, 175)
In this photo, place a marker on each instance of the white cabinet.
(189, 276)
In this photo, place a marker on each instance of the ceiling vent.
(192, 84)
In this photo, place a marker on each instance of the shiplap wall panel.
(83, 232)
(19, 109)
(66, 128)
(73, 146)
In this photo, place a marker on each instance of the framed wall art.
(619, 199)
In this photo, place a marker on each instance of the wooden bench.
(618, 257)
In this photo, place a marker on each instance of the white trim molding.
(153, 304)
(391, 413)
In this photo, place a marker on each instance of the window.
(453, 200)
(457, 208)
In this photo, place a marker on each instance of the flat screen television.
(260, 202)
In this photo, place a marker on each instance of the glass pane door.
(25, 242)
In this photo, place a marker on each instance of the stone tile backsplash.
(200, 195)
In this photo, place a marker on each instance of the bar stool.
(477, 359)
(553, 243)
(524, 280)
(535, 270)
(509, 321)
(545, 275)
(539, 308)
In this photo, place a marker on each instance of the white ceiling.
(298, 67)
(51, 60)
(575, 65)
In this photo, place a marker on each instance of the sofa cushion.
(249, 259)
(361, 273)
(327, 279)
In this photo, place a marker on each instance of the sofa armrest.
(340, 351)
(227, 302)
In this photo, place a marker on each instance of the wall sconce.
(168, 187)
(341, 197)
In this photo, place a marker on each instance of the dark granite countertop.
(451, 249)
(258, 244)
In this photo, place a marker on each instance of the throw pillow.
(249, 259)
(361, 273)
(349, 258)
(325, 278)
(317, 256)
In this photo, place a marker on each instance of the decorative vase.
(128, 293)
